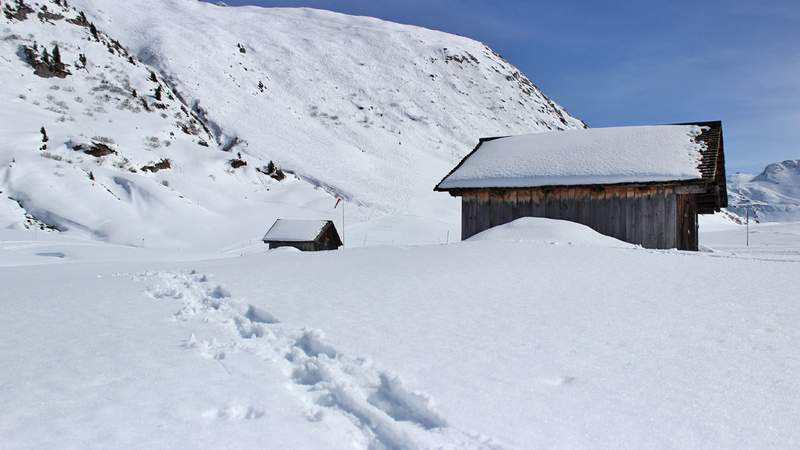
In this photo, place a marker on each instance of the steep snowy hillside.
(158, 125)
(95, 143)
(372, 110)
(772, 196)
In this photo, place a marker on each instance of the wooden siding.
(652, 216)
(688, 238)
(329, 238)
(308, 246)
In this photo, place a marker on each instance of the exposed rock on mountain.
(153, 97)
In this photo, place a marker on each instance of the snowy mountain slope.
(368, 110)
(88, 147)
(772, 196)
(373, 110)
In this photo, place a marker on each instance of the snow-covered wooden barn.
(306, 235)
(642, 184)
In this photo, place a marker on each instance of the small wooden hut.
(305, 235)
(645, 185)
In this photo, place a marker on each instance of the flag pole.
(339, 200)
(343, 224)
(747, 222)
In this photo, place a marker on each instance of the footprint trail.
(378, 403)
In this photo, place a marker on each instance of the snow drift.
(548, 231)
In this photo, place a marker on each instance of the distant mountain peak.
(771, 196)
(780, 172)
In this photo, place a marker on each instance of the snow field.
(484, 344)
(377, 403)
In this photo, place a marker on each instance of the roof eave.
(688, 182)
(438, 187)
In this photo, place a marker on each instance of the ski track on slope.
(390, 415)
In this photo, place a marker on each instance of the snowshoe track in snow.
(390, 415)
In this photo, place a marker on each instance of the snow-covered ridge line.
(771, 196)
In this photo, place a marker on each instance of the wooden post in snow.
(339, 200)
(747, 224)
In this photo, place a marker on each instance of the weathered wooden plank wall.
(687, 228)
(653, 216)
(304, 246)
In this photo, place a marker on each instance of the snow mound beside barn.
(548, 231)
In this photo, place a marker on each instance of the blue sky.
(638, 62)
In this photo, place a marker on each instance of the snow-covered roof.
(286, 230)
(579, 157)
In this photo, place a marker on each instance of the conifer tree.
(153, 77)
(158, 93)
(44, 135)
(57, 57)
(93, 30)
